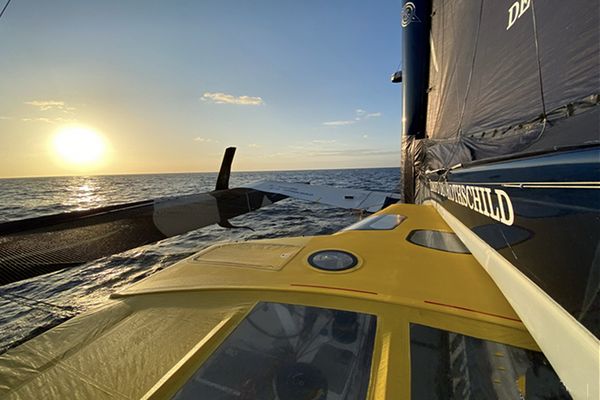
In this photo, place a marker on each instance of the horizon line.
(190, 172)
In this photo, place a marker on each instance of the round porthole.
(332, 260)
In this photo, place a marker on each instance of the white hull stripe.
(572, 350)
(538, 185)
(554, 186)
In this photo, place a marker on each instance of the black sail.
(498, 64)
(513, 105)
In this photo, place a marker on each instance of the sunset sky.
(165, 86)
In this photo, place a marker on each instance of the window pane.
(445, 241)
(283, 351)
(377, 223)
(446, 365)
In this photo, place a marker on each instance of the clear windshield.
(289, 352)
(446, 365)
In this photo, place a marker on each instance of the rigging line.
(468, 90)
(539, 65)
(539, 136)
(537, 56)
(442, 96)
(4, 9)
(436, 78)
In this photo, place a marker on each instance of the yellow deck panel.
(391, 269)
(150, 338)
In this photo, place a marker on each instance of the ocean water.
(30, 307)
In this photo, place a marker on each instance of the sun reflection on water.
(84, 193)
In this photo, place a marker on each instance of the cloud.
(324, 141)
(3, 118)
(315, 149)
(254, 146)
(205, 140)
(339, 123)
(315, 145)
(224, 98)
(296, 147)
(353, 153)
(58, 120)
(42, 119)
(45, 105)
(359, 115)
(365, 136)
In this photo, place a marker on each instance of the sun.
(79, 145)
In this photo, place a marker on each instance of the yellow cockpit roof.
(148, 339)
(391, 269)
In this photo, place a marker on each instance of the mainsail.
(527, 60)
(504, 77)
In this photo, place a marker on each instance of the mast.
(416, 26)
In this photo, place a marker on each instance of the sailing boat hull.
(542, 214)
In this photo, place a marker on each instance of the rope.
(539, 63)
(462, 114)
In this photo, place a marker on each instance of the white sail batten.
(571, 349)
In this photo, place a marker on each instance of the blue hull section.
(542, 213)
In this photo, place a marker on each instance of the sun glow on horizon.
(79, 146)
